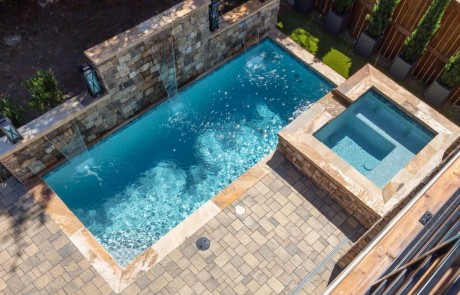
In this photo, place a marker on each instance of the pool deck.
(290, 226)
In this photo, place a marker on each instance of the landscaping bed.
(337, 52)
(56, 36)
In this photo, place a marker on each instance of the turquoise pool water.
(133, 187)
(375, 137)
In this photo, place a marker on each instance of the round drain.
(203, 244)
(334, 138)
(240, 210)
(368, 165)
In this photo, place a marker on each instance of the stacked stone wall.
(365, 215)
(132, 77)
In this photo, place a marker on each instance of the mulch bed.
(57, 35)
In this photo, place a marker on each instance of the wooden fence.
(407, 15)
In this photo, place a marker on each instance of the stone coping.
(240, 13)
(44, 124)
(306, 57)
(121, 42)
(300, 135)
(79, 104)
(119, 278)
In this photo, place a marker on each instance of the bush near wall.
(342, 6)
(380, 17)
(417, 42)
(12, 111)
(450, 77)
(44, 89)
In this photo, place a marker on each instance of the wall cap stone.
(121, 42)
(44, 124)
(299, 134)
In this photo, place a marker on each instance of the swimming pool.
(131, 188)
(375, 137)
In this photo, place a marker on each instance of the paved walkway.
(288, 228)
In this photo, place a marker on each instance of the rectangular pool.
(375, 137)
(131, 188)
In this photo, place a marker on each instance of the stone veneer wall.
(131, 74)
(365, 215)
(369, 219)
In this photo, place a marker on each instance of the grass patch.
(335, 51)
(338, 52)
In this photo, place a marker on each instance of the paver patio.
(288, 228)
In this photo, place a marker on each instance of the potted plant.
(417, 42)
(370, 40)
(338, 16)
(304, 6)
(450, 77)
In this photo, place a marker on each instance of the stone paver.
(289, 226)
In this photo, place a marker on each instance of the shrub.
(450, 76)
(417, 42)
(342, 6)
(381, 16)
(43, 87)
(4, 173)
(12, 111)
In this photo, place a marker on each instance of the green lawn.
(339, 53)
(335, 51)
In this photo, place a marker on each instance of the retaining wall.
(129, 66)
(365, 215)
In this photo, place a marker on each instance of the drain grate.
(203, 244)
(324, 261)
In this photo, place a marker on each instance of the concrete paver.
(288, 227)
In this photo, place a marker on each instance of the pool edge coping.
(306, 57)
(299, 135)
(119, 278)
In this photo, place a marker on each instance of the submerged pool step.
(377, 129)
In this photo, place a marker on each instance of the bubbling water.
(87, 168)
(151, 174)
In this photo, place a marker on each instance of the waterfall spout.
(70, 143)
(166, 68)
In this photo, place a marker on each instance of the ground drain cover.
(240, 210)
(203, 244)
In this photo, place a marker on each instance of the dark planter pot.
(336, 23)
(400, 68)
(304, 6)
(367, 45)
(437, 94)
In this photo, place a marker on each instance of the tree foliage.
(381, 16)
(450, 77)
(12, 111)
(417, 42)
(342, 6)
(44, 89)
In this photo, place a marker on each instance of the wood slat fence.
(407, 14)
